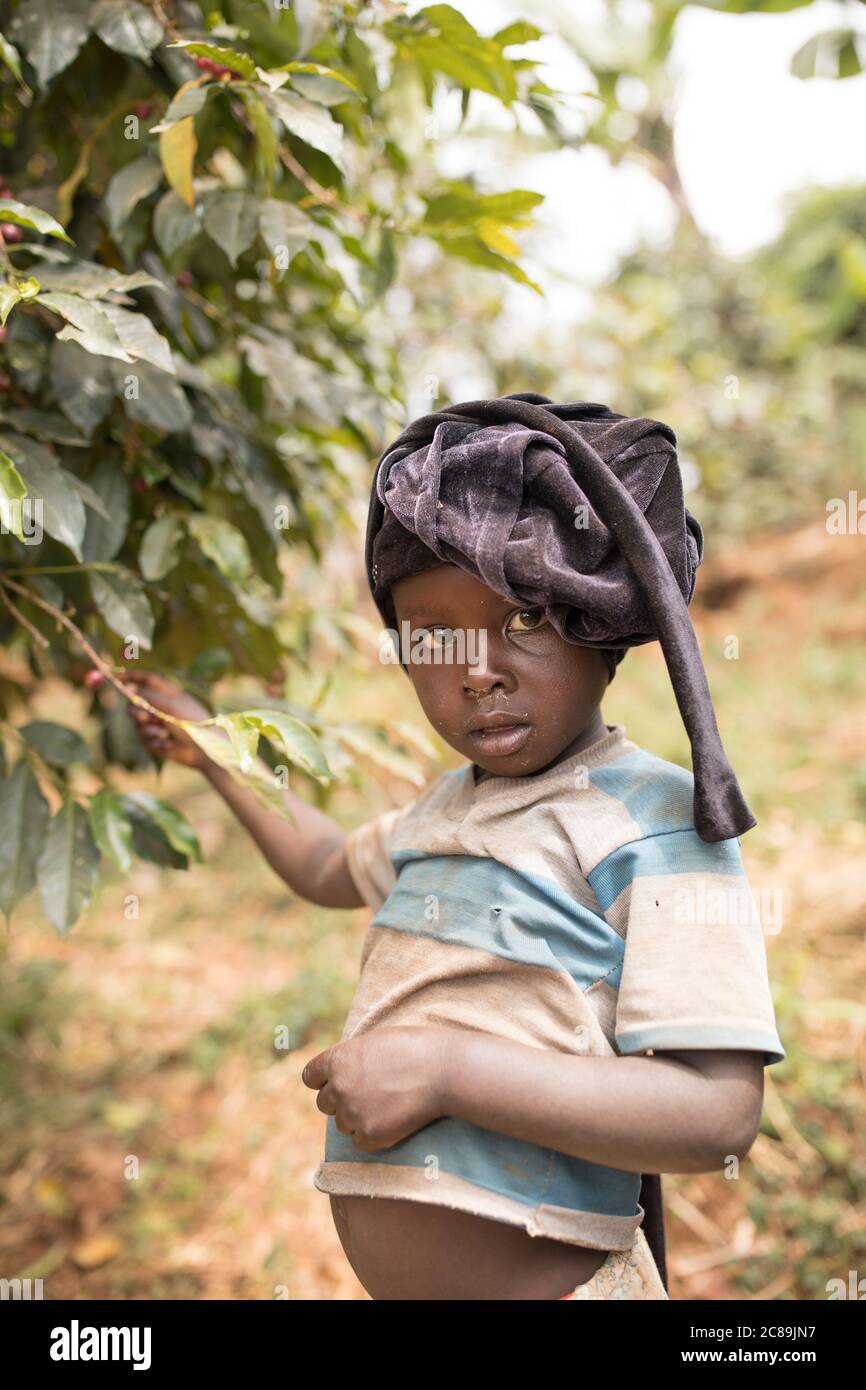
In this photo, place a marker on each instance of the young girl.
(564, 985)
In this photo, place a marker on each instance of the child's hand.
(160, 739)
(383, 1085)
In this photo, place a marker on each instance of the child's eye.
(438, 637)
(531, 619)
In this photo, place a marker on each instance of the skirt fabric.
(624, 1274)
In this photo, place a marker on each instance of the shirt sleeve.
(694, 971)
(367, 854)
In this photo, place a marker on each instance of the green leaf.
(128, 27)
(521, 31)
(44, 424)
(111, 828)
(257, 779)
(243, 736)
(139, 337)
(222, 543)
(386, 263)
(87, 324)
(58, 745)
(120, 741)
(160, 547)
(148, 840)
(494, 235)
(316, 70)
(173, 824)
(33, 218)
(81, 384)
(134, 181)
(174, 224)
(88, 496)
(159, 402)
(267, 142)
(9, 56)
(123, 604)
(295, 738)
(311, 123)
(228, 57)
(12, 489)
(92, 281)
(62, 508)
(322, 87)
(51, 34)
(23, 816)
(478, 64)
(177, 147)
(230, 221)
(68, 866)
(473, 249)
(448, 20)
(852, 263)
(104, 536)
(9, 297)
(209, 665)
(28, 288)
(188, 100)
(461, 206)
(284, 224)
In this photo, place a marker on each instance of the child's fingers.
(315, 1073)
(153, 738)
(144, 717)
(325, 1101)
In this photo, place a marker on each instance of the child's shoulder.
(654, 796)
(638, 812)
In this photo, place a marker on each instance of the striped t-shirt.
(575, 910)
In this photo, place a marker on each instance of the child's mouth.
(498, 743)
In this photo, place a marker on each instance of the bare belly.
(401, 1249)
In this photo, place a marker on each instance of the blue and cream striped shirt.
(575, 910)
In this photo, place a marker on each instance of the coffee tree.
(201, 214)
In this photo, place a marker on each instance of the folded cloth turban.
(570, 508)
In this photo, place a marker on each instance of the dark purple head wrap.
(570, 508)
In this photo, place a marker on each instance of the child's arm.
(674, 1112)
(309, 856)
(679, 1112)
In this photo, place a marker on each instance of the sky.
(746, 133)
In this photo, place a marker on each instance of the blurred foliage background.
(149, 1032)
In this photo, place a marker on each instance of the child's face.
(551, 687)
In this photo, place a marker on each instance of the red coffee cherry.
(11, 232)
(93, 679)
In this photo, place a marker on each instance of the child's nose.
(486, 678)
